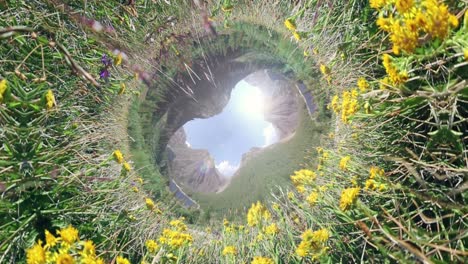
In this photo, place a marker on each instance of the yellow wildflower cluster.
(344, 163)
(349, 105)
(313, 243)
(290, 24)
(348, 197)
(412, 20)
(312, 198)
(65, 248)
(150, 204)
(3, 88)
(50, 99)
(335, 104)
(363, 84)
(127, 166)
(373, 182)
(262, 260)
(325, 156)
(119, 260)
(326, 72)
(174, 238)
(395, 76)
(303, 178)
(271, 229)
(179, 224)
(118, 156)
(256, 213)
(229, 251)
(375, 172)
(151, 246)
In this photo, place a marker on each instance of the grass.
(386, 186)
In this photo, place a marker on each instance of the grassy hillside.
(386, 185)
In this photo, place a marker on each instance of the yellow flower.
(297, 36)
(271, 229)
(300, 189)
(122, 88)
(303, 177)
(149, 204)
(290, 195)
(377, 4)
(375, 171)
(135, 189)
(152, 246)
(118, 59)
(51, 240)
(335, 106)
(465, 53)
(385, 23)
(312, 198)
(370, 184)
(363, 84)
(349, 105)
(344, 163)
(88, 249)
(306, 53)
(65, 258)
(320, 236)
(179, 224)
(403, 6)
(36, 254)
(312, 242)
(69, 235)
(229, 250)
(348, 197)
(118, 156)
(140, 180)
(262, 260)
(302, 250)
(175, 239)
(50, 99)
(257, 213)
(122, 260)
(290, 24)
(324, 69)
(3, 87)
(127, 166)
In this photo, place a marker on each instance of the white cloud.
(269, 133)
(227, 169)
(188, 144)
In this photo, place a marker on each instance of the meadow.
(82, 89)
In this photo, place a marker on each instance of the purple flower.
(106, 60)
(104, 74)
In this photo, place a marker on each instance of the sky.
(233, 132)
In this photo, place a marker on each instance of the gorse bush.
(84, 86)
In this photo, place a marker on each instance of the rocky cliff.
(193, 169)
(282, 101)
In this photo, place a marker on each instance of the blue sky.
(234, 131)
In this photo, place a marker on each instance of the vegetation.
(263, 172)
(388, 184)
